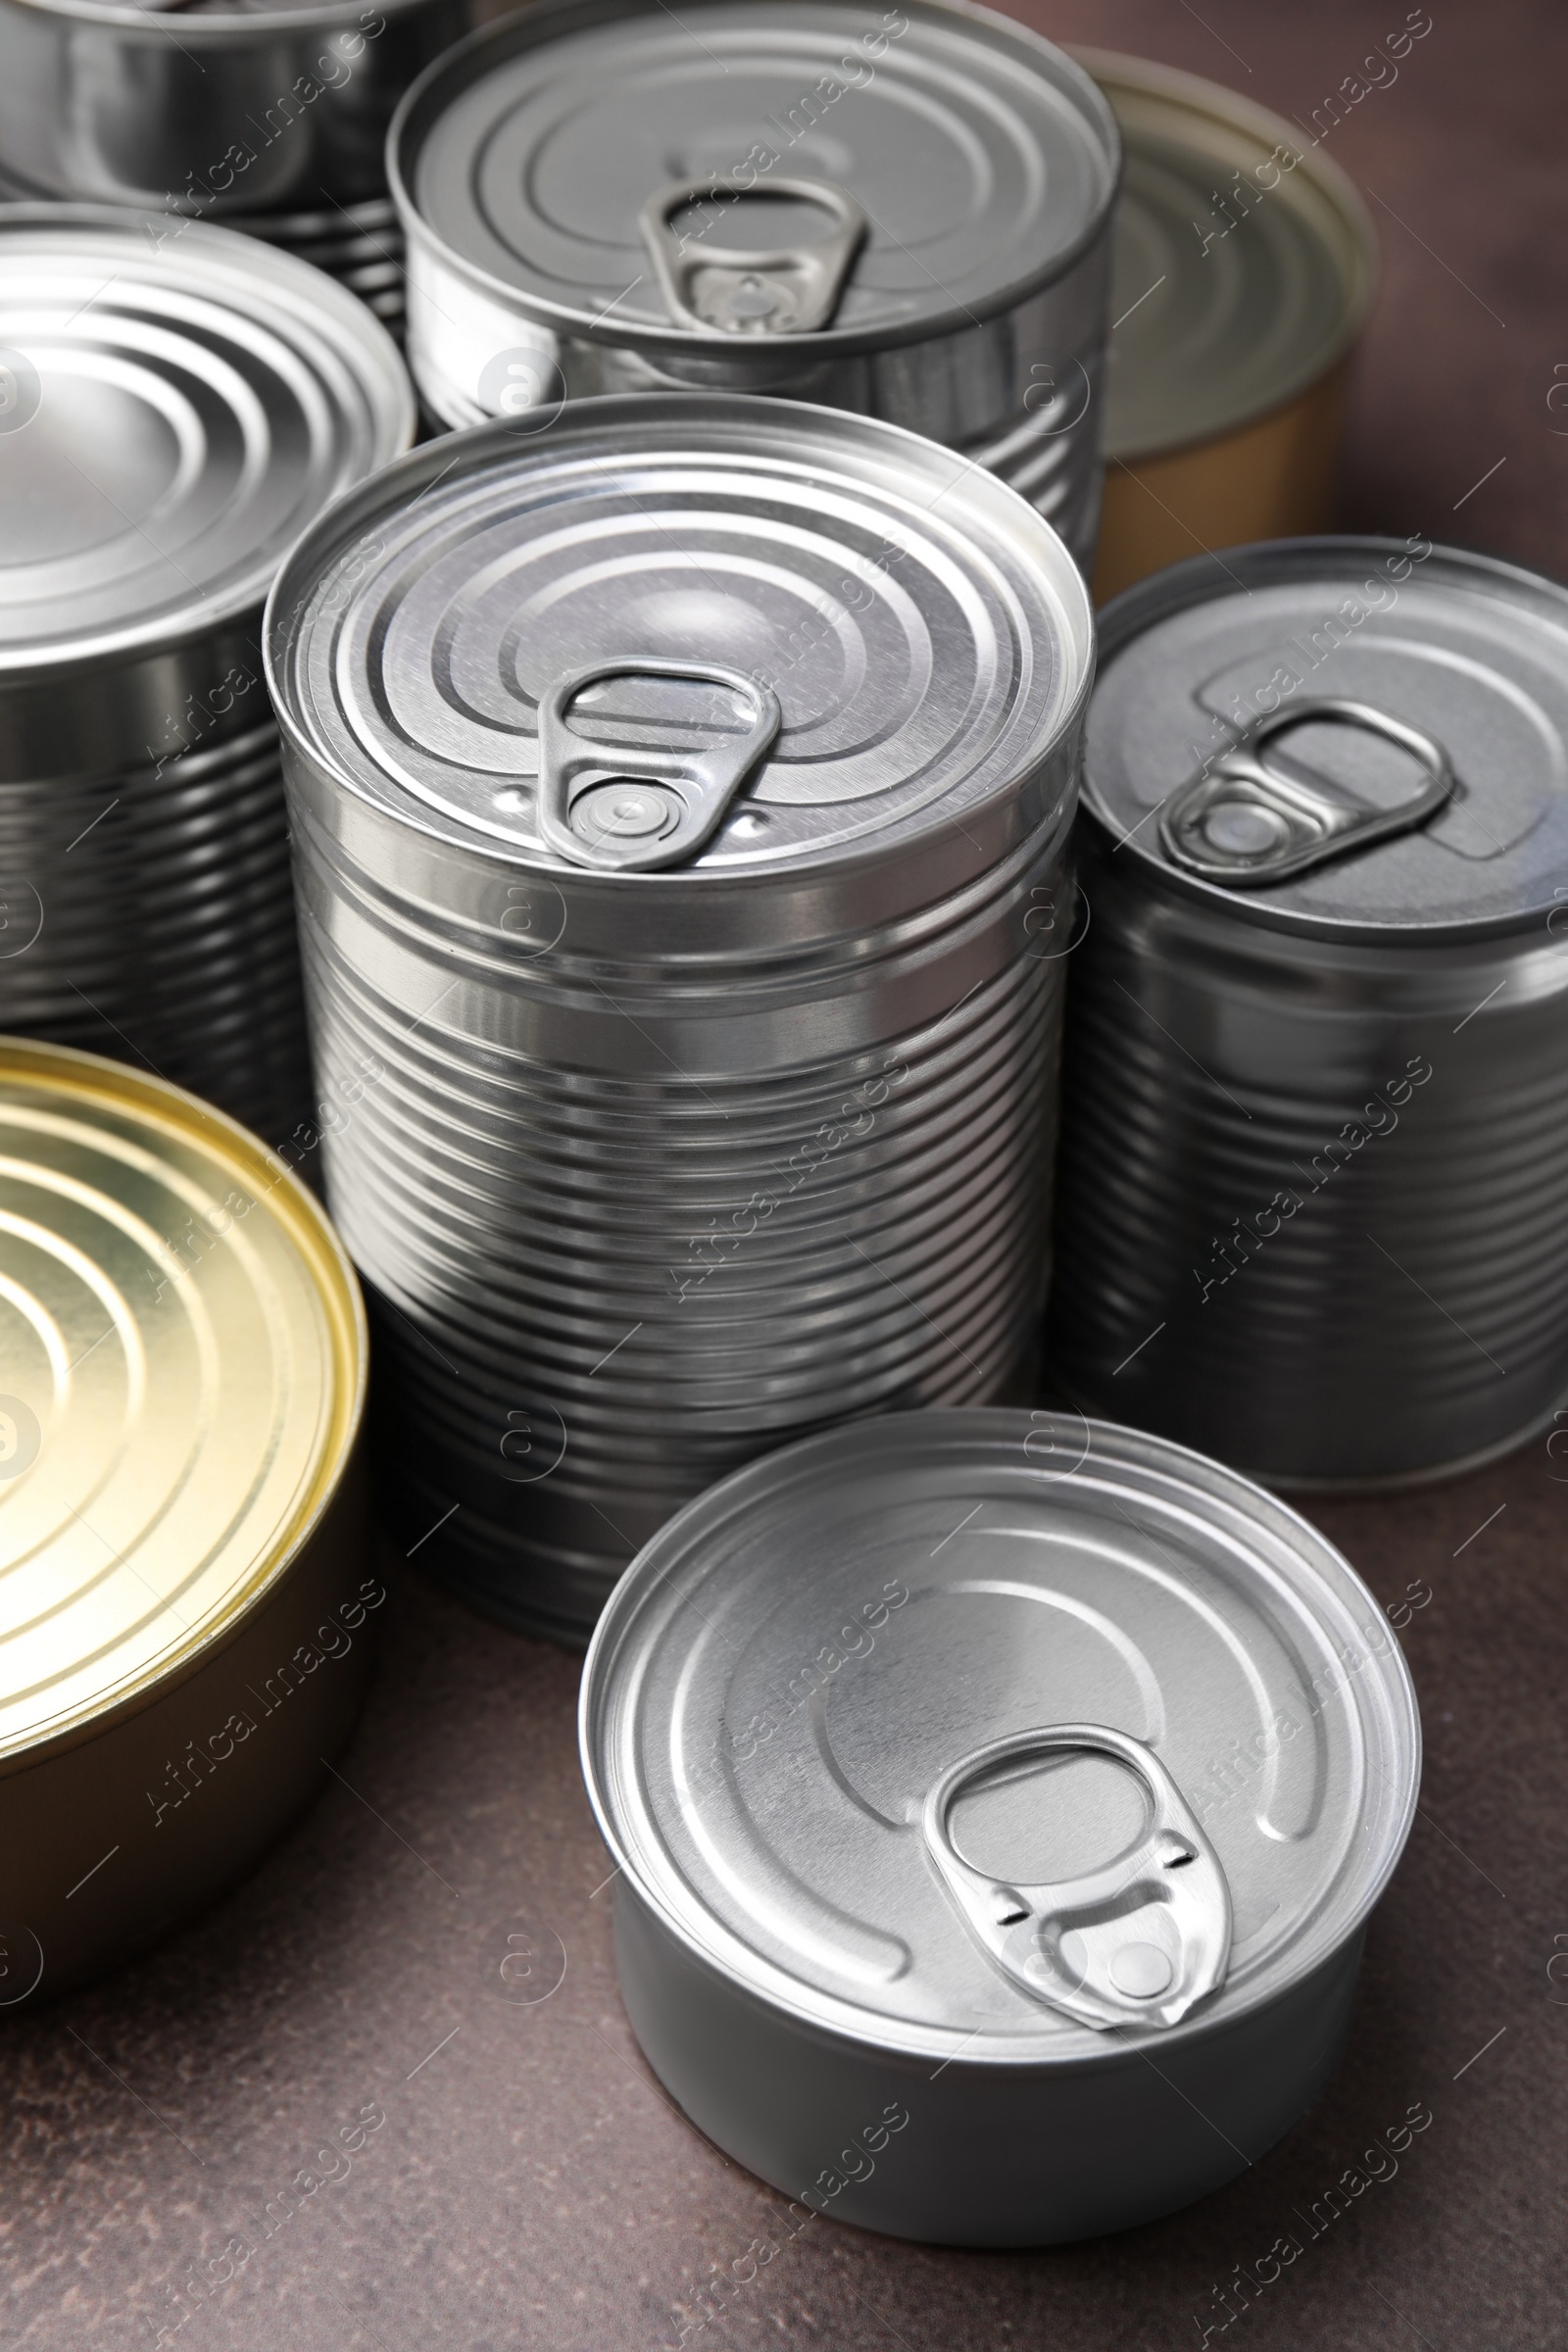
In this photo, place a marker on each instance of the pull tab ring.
(1280, 825)
(1134, 1944)
(629, 808)
(775, 290)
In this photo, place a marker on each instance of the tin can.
(677, 796)
(1312, 1216)
(186, 1597)
(244, 114)
(999, 1800)
(169, 421)
(1244, 268)
(905, 212)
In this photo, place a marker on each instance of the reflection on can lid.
(982, 158)
(785, 1683)
(924, 632)
(1245, 260)
(1469, 653)
(182, 1351)
(176, 403)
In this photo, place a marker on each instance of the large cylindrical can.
(251, 115)
(188, 1600)
(171, 422)
(1312, 1215)
(678, 801)
(998, 1803)
(901, 212)
(1246, 264)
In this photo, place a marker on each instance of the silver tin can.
(905, 212)
(170, 422)
(243, 113)
(675, 799)
(997, 1800)
(1312, 1215)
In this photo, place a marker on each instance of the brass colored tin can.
(1244, 267)
(185, 1597)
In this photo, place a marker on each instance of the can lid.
(1357, 734)
(825, 631)
(182, 1352)
(1245, 260)
(176, 403)
(977, 159)
(991, 1732)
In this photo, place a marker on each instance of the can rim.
(1197, 579)
(768, 1984)
(531, 27)
(318, 1243)
(222, 31)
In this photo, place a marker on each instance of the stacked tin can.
(903, 213)
(716, 1054)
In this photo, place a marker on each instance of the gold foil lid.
(181, 1373)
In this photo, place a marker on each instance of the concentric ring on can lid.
(177, 404)
(182, 1355)
(802, 1657)
(1469, 652)
(924, 631)
(983, 158)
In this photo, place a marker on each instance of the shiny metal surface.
(827, 1643)
(661, 1169)
(271, 120)
(527, 167)
(1312, 1216)
(183, 1351)
(177, 418)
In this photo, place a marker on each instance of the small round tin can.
(680, 798)
(255, 114)
(999, 1800)
(1311, 1210)
(185, 1599)
(904, 212)
(1245, 264)
(169, 421)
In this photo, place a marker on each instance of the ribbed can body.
(1311, 1212)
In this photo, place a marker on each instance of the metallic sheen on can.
(1312, 1216)
(182, 1348)
(786, 1680)
(663, 1167)
(190, 410)
(980, 161)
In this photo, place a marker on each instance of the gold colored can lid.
(1245, 260)
(182, 1364)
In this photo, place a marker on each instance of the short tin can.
(1312, 1216)
(1245, 264)
(169, 421)
(185, 1597)
(680, 798)
(251, 115)
(901, 212)
(998, 1802)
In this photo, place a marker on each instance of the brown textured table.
(529, 2184)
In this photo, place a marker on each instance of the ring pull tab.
(779, 290)
(1135, 1943)
(1242, 822)
(634, 807)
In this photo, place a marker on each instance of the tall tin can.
(675, 796)
(1246, 264)
(1312, 1215)
(172, 421)
(253, 115)
(905, 212)
(999, 1800)
(185, 1596)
